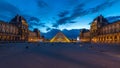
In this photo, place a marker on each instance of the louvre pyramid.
(59, 37)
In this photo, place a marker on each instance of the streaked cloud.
(41, 4)
(80, 11)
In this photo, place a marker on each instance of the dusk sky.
(58, 14)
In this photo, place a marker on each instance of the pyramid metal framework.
(59, 37)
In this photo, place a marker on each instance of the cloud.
(6, 7)
(42, 4)
(33, 24)
(47, 29)
(34, 19)
(31, 18)
(80, 11)
(62, 21)
(7, 10)
(66, 17)
(113, 18)
(63, 14)
(103, 6)
(37, 24)
(72, 2)
(55, 25)
(5, 17)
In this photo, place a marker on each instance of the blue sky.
(58, 14)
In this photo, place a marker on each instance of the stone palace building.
(17, 30)
(101, 31)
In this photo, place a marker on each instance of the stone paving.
(59, 55)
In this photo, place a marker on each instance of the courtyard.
(59, 55)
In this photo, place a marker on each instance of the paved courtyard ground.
(59, 55)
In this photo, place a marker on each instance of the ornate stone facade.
(101, 31)
(17, 30)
